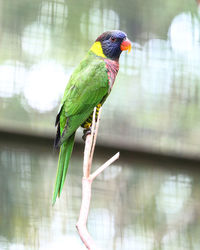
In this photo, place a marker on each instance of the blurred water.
(135, 204)
(155, 101)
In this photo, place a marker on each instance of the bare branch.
(87, 180)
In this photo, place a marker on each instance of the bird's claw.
(86, 132)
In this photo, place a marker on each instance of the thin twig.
(104, 166)
(95, 135)
(86, 159)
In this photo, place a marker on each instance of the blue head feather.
(110, 42)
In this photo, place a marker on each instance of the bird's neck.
(97, 49)
(112, 70)
(112, 66)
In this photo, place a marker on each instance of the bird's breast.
(112, 70)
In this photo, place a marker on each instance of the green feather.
(87, 87)
(63, 163)
(67, 158)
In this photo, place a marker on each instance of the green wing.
(87, 87)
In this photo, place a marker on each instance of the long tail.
(63, 163)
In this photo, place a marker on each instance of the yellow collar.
(97, 49)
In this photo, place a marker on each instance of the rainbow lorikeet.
(88, 87)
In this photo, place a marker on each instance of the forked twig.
(87, 180)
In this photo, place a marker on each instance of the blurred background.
(150, 198)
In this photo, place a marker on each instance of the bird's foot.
(86, 132)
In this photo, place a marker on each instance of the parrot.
(88, 87)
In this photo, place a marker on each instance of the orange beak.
(126, 45)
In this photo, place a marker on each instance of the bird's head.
(110, 44)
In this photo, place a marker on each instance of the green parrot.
(88, 87)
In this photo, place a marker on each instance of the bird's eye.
(113, 39)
